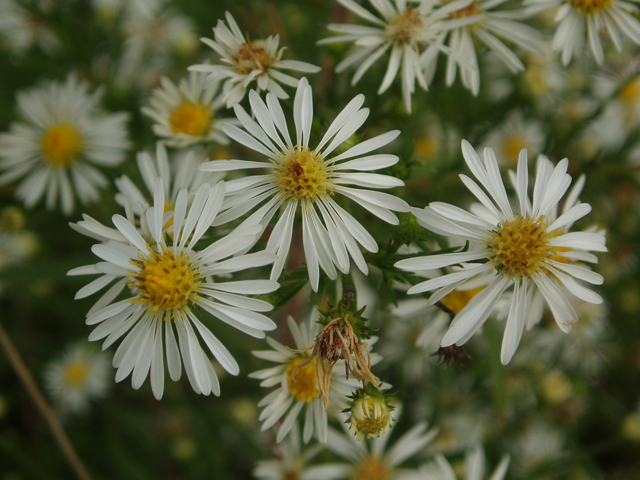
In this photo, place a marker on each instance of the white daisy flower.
(246, 60)
(167, 279)
(298, 387)
(515, 134)
(594, 16)
(474, 467)
(300, 177)
(22, 28)
(185, 115)
(176, 176)
(407, 29)
(292, 461)
(528, 250)
(78, 376)
(372, 459)
(489, 23)
(65, 136)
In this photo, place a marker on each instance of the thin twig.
(42, 405)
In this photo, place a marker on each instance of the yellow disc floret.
(370, 418)
(302, 380)
(76, 373)
(405, 26)
(591, 6)
(303, 174)
(166, 280)
(372, 468)
(192, 119)
(512, 145)
(468, 11)
(458, 299)
(252, 56)
(520, 247)
(61, 144)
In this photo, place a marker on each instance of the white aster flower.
(176, 176)
(515, 134)
(474, 467)
(489, 23)
(298, 386)
(300, 177)
(247, 60)
(407, 29)
(371, 458)
(292, 461)
(65, 136)
(167, 278)
(528, 250)
(22, 28)
(594, 16)
(185, 115)
(78, 376)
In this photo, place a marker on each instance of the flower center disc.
(191, 119)
(303, 384)
(76, 373)
(302, 174)
(166, 280)
(405, 26)
(61, 144)
(372, 468)
(250, 57)
(590, 6)
(520, 247)
(511, 147)
(458, 299)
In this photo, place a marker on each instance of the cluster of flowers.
(183, 238)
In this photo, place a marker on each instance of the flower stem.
(36, 395)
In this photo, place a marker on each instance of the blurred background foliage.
(557, 419)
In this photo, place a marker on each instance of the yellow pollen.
(405, 26)
(166, 280)
(303, 384)
(511, 146)
(468, 11)
(302, 174)
(191, 119)
(61, 144)
(591, 6)
(250, 57)
(372, 468)
(458, 299)
(520, 247)
(76, 373)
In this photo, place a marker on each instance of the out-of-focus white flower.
(474, 467)
(514, 134)
(78, 376)
(247, 60)
(22, 28)
(186, 114)
(64, 136)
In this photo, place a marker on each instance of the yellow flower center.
(302, 174)
(520, 247)
(303, 383)
(250, 57)
(427, 147)
(61, 144)
(468, 11)
(166, 280)
(537, 80)
(372, 468)
(511, 146)
(405, 26)
(191, 119)
(631, 91)
(458, 299)
(591, 6)
(76, 373)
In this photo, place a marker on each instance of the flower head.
(301, 178)
(248, 60)
(474, 463)
(531, 249)
(185, 115)
(370, 413)
(64, 136)
(167, 279)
